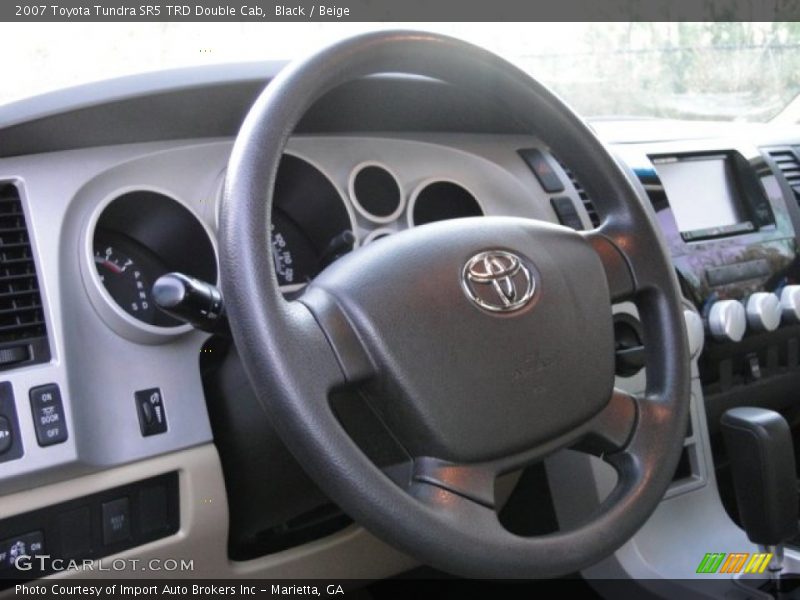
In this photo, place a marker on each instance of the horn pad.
(489, 335)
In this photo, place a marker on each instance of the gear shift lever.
(761, 453)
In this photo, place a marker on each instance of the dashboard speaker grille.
(594, 216)
(788, 163)
(23, 332)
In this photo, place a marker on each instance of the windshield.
(711, 71)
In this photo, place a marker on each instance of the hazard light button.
(152, 415)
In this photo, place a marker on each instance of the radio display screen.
(701, 192)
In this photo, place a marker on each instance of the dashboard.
(100, 390)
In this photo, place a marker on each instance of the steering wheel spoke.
(309, 343)
(350, 352)
(475, 482)
(611, 430)
(455, 506)
(617, 265)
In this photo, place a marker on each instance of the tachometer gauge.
(126, 283)
(127, 272)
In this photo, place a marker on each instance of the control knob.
(727, 321)
(763, 311)
(790, 303)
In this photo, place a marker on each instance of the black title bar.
(400, 10)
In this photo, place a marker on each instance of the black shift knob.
(761, 451)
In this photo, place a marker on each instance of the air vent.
(789, 165)
(587, 202)
(23, 333)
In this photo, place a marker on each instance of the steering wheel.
(480, 344)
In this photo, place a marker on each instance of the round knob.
(764, 311)
(790, 303)
(727, 321)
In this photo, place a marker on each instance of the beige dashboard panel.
(203, 535)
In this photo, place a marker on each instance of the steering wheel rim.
(295, 353)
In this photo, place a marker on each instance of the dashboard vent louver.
(789, 165)
(594, 216)
(23, 333)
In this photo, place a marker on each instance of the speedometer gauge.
(296, 260)
(311, 224)
(308, 215)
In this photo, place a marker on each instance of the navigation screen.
(700, 192)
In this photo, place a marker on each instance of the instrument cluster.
(138, 236)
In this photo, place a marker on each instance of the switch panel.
(90, 527)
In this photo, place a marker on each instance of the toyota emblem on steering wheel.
(498, 281)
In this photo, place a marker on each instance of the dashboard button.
(150, 407)
(48, 415)
(9, 426)
(116, 521)
(541, 168)
(763, 311)
(6, 437)
(566, 212)
(27, 544)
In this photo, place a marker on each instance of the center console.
(730, 236)
(729, 218)
(729, 224)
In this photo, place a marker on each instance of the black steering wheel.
(481, 344)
